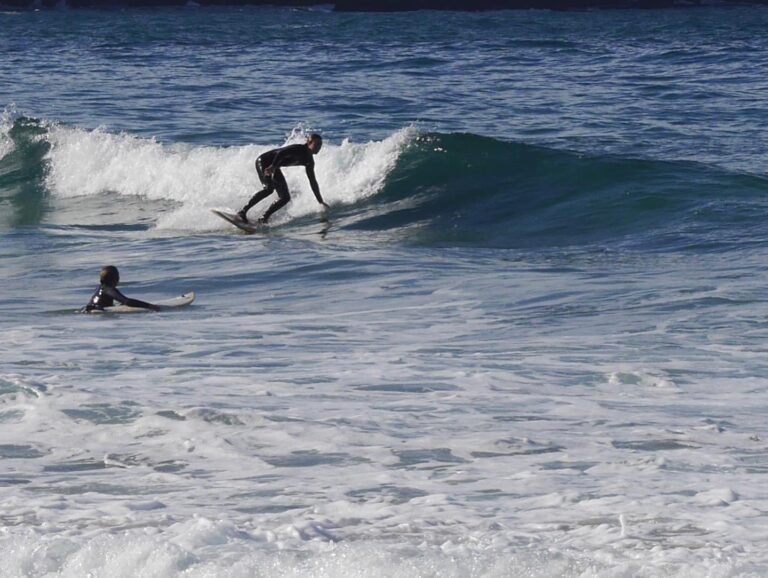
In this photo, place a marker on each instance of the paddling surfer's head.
(315, 143)
(110, 276)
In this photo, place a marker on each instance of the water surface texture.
(528, 339)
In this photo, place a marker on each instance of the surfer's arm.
(119, 297)
(314, 185)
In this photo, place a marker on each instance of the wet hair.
(317, 137)
(110, 275)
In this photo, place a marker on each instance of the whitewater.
(528, 338)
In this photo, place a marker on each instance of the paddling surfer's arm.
(120, 298)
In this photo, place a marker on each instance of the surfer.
(107, 293)
(268, 168)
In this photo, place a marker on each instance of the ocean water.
(528, 340)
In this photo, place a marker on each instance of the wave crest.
(87, 163)
(413, 187)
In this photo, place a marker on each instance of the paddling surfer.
(268, 167)
(107, 293)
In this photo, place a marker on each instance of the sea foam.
(196, 178)
(6, 123)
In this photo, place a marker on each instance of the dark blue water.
(660, 83)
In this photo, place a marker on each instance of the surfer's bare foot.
(242, 217)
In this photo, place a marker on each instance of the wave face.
(23, 146)
(419, 188)
(462, 189)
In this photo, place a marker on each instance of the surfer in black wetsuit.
(268, 167)
(107, 293)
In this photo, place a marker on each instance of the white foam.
(322, 411)
(6, 123)
(201, 547)
(87, 163)
(640, 378)
(193, 548)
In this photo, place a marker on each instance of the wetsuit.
(105, 296)
(289, 156)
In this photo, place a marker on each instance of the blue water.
(526, 340)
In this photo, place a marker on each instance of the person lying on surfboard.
(268, 168)
(107, 293)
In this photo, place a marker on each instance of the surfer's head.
(315, 143)
(110, 276)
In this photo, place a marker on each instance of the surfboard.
(180, 301)
(237, 221)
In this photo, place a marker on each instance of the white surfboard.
(180, 301)
(248, 227)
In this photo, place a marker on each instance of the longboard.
(237, 221)
(180, 301)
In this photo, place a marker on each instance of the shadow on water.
(311, 227)
(105, 213)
